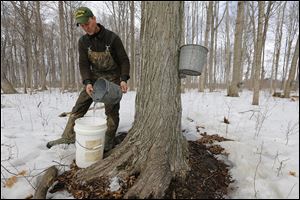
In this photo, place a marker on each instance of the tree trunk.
(6, 86)
(42, 48)
(27, 45)
(208, 20)
(252, 19)
(62, 46)
(216, 46)
(72, 48)
(277, 49)
(258, 51)
(154, 148)
(211, 49)
(266, 25)
(287, 58)
(51, 57)
(132, 81)
(289, 82)
(228, 54)
(237, 56)
(292, 29)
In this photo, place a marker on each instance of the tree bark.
(6, 86)
(40, 34)
(258, 51)
(228, 53)
(277, 49)
(208, 21)
(211, 49)
(216, 46)
(289, 82)
(265, 29)
(252, 19)
(62, 46)
(233, 88)
(154, 148)
(132, 82)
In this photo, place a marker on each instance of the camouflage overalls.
(103, 63)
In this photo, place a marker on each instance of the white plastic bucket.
(90, 138)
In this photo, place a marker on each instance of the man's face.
(90, 27)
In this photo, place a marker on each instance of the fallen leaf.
(22, 173)
(10, 181)
(226, 121)
(292, 173)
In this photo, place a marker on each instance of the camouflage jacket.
(100, 42)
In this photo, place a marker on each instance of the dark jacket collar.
(99, 34)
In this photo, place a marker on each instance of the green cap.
(82, 15)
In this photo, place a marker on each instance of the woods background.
(253, 45)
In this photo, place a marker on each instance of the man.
(101, 55)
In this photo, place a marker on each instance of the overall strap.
(113, 37)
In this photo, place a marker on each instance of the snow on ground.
(263, 156)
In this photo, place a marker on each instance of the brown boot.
(68, 136)
(60, 141)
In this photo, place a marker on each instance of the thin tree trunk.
(208, 21)
(216, 46)
(52, 58)
(72, 49)
(237, 56)
(292, 71)
(6, 86)
(132, 82)
(228, 53)
(252, 19)
(277, 48)
(258, 51)
(41, 47)
(62, 46)
(211, 50)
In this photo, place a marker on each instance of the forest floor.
(208, 178)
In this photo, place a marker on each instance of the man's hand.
(89, 89)
(123, 86)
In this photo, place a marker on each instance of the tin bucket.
(106, 92)
(192, 59)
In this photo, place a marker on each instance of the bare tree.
(237, 56)
(216, 46)
(41, 52)
(254, 36)
(211, 50)
(265, 29)
(277, 48)
(289, 82)
(6, 85)
(24, 11)
(258, 51)
(62, 45)
(292, 28)
(132, 82)
(207, 29)
(227, 46)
